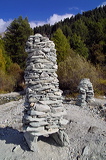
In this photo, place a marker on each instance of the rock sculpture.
(44, 111)
(86, 93)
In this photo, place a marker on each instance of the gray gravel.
(86, 130)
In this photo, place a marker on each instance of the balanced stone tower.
(44, 111)
(86, 92)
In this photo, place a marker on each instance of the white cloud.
(4, 25)
(55, 18)
(36, 23)
(52, 20)
(103, 4)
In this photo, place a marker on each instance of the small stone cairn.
(44, 111)
(86, 92)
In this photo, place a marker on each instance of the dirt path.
(87, 134)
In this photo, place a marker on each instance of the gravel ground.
(86, 131)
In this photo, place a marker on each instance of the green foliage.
(79, 46)
(83, 31)
(79, 28)
(15, 40)
(73, 69)
(67, 31)
(12, 49)
(5, 60)
(11, 76)
(2, 46)
(2, 61)
(86, 33)
(44, 30)
(8, 61)
(95, 32)
(98, 53)
(61, 44)
(102, 86)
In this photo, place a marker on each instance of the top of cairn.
(34, 42)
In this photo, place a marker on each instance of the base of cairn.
(31, 141)
(60, 137)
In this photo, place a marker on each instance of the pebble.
(85, 151)
(16, 149)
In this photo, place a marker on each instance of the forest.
(80, 43)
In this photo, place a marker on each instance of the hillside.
(85, 32)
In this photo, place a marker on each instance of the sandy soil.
(86, 131)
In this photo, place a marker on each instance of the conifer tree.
(62, 45)
(15, 39)
(79, 46)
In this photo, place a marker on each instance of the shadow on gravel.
(13, 136)
(10, 135)
(49, 140)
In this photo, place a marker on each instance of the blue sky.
(40, 12)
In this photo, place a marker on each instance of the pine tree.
(80, 29)
(79, 46)
(62, 45)
(15, 39)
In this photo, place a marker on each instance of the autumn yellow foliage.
(73, 69)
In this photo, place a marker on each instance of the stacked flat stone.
(86, 92)
(44, 111)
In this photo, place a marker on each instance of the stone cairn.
(44, 111)
(86, 92)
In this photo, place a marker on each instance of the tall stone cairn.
(44, 111)
(86, 92)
